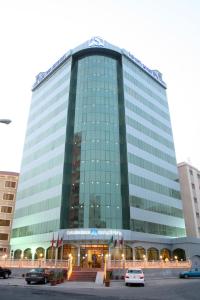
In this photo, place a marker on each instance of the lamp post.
(5, 121)
(40, 259)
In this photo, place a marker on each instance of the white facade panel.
(149, 216)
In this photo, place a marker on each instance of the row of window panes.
(100, 177)
(99, 208)
(96, 177)
(46, 133)
(145, 89)
(98, 165)
(99, 187)
(3, 237)
(91, 131)
(155, 207)
(7, 196)
(105, 82)
(100, 60)
(146, 102)
(99, 145)
(150, 81)
(96, 83)
(50, 85)
(51, 101)
(108, 223)
(148, 117)
(39, 228)
(50, 164)
(3, 250)
(90, 65)
(150, 149)
(10, 184)
(159, 229)
(50, 117)
(86, 199)
(101, 98)
(90, 134)
(37, 207)
(147, 165)
(98, 109)
(96, 70)
(153, 186)
(152, 134)
(44, 150)
(97, 117)
(4, 222)
(46, 90)
(40, 187)
(90, 155)
(6, 209)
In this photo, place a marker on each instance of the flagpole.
(62, 249)
(56, 250)
(52, 244)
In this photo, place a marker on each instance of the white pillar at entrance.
(33, 251)
(79, 254)
(45, 254)
(133, 249)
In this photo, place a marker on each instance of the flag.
(121, 242)
(53, 241)
(59, 242)
(110, 243)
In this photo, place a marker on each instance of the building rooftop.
(98, 42)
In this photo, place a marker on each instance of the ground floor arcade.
(89, 247)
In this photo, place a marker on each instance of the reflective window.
(95, 197)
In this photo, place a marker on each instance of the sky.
(163, 34)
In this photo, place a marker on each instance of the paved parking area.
(155, 289)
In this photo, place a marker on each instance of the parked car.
(134, 276)
(194, 272)
(5, 273)
(38, 275)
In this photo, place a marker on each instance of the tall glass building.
(99, 161)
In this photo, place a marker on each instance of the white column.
(79, 254)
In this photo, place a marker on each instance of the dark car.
(5, 273)
(195, 272)
(38, 275)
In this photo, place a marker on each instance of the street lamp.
(5, 121)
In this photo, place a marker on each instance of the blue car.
(193, 273)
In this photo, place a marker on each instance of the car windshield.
(37, 270)
(134, 271)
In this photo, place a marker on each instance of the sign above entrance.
(94, 232)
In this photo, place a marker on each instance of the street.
(162, 289)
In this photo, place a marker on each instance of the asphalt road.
(164, 289)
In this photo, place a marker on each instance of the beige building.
(190, 193)
(8, 189)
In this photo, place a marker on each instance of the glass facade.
(38, 200)
(95, 194)
(99, 150)
(154, 191)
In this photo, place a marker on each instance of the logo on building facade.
(96, 41)
(94, 231)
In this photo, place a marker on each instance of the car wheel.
(6, 276)
(186, 276)
(126, 284)
(142, 284)
(28, 282)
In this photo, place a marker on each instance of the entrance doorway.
(93, 256)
